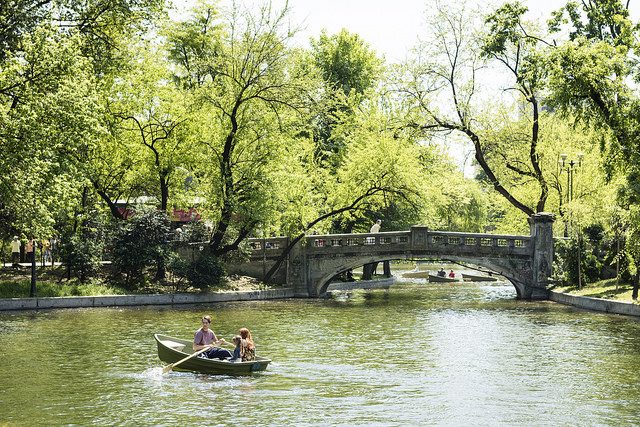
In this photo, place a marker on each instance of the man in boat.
(452, 275)
(442, 273)
(205, 337)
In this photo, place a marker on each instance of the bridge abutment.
(542, 255)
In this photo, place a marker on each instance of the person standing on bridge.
(375, 228)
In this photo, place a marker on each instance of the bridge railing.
(469, 243)
(268, 247)
(395, 238)
(417, 240)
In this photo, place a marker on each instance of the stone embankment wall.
(596, 304)
(133, 300)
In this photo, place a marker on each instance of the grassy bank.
(46, 288)
(602, 289)
(51, 283)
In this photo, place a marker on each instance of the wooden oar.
(173, 365)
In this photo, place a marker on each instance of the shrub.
(81, 252)
(139, 244)
(206, 271)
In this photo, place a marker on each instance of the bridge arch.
(323, 282)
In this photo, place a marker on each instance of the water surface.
(430, 354)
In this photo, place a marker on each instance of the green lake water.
(418, 354)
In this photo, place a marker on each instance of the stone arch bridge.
(526, 261)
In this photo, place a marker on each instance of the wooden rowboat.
(473, 278)
(434, 278)
(171, 350)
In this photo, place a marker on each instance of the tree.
(149, 116)
(590, 77)
(350, 69)
(379, 171)
(249, 91)
(446, 70)
(53, 56)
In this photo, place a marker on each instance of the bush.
(568, 254)
(139, 244)
(81, 253)
(206, 271)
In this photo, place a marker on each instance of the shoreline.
(49, 303)
(596, 304)
(46, 303)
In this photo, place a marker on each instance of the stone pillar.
(297, 270)
(542, 255)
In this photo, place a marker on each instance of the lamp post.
(33, 291)
(570, 166)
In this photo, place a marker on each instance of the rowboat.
(171, 350)
(472, 278)
(434, 278)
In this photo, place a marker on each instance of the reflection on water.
(421, 353)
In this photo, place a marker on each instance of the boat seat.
(174, 345)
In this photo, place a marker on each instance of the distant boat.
(473, 278)
(434, 278)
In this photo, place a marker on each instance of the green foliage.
(205, 272)
(606, 20)
(48, 288)
(346, 62)
(504, 28)
(138, 244)
(81, 252)
(350, 70)
(249, 91)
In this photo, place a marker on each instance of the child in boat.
(237, 352)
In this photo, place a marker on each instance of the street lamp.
(569, 166)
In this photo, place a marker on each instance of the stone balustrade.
(418, 239)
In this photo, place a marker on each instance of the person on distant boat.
(442, 273)
(452, 275)
(205, 337)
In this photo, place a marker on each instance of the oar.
(173, 365)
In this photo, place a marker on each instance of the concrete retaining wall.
(596, 304)
(133, 300)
